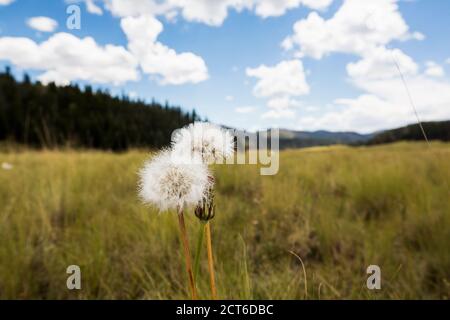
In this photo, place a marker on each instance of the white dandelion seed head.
(170, 181)
(211, 142)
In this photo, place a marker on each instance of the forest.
(49, 116)
(434, 130)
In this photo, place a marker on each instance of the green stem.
(201, 233)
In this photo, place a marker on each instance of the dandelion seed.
(171, 181)
(211, 142)
(213, 145)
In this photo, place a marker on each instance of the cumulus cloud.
(385, 105)
(287, 78)
(365, 29)
(282, 103)
(357, 27)
(93, 8)
(5, 2)
(64, 58)
(126, 8)
(43, 24)
(157, 59)
(246, 109)
(271, 8)
(348, 114)
(210, 12)
(278, 114)
(382, 63)
(385, 102)
(433, 69)
(279, 84)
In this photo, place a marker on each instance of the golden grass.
(339, 209)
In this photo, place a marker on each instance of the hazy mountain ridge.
(435, 130)
(303, 139)
(300, 139)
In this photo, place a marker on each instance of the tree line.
(435, 130)
(49, 116)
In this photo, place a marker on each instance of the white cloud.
(229, 98)
(382, 63)
(282, 103)
(271, 8)
(210, 12)
(5, 2)
(357, 27)
(279, 84)
(433, 69)
(448, 61)
(278, 114)
(126, 8)
(93, 8)
(157, 59)
(366, 113)
(365, 29)
(287, 78)
(247, 109)
(64, 58)
(281, 107)
(43, 24)
(429, 94)
(385, 105)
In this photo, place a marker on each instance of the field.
(340, 209)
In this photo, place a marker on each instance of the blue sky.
(242, 62)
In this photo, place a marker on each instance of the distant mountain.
(301, 139)
(439, 130)
(436, 130)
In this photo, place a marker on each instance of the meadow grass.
(340, 209)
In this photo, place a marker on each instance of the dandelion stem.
(201, 234)
(210, 261)
(187, 254)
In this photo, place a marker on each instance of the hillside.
(436, 130)
(300, 139)
(290, 139)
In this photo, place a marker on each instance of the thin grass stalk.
(210, 261)
(304, 273)
(198, 252)
(187, 254)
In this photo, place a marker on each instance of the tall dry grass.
(339, 209)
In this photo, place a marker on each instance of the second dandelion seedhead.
(206, 209)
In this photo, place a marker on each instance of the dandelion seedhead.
(171, 181)
(211, 142)
(206, 210)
